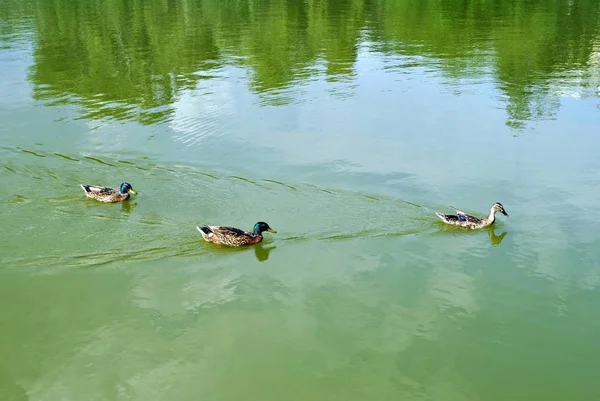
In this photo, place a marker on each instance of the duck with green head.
(107, 194)
(231, 236)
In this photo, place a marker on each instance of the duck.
(107, 194)
(231, 236)
(461, 219)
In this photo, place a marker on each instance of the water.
(344, 125)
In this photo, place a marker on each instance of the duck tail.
(440, 215)
(204, 229)
(86, 188)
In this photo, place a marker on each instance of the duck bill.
(131, 191)
(271, 230)
(504, 213)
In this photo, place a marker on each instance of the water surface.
(344, 125)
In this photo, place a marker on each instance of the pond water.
(345, 125)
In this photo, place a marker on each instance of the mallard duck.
(107, 194)
(232, 236)
(461, 219)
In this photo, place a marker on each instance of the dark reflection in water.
(495, 240)
(262, 252)
(129, 60)
(128, 206)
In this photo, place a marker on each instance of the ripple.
(303, 212)
(31, 152)
(67, 157)
(279, 183)
(247, 180)
(202, 114)
(100, 161)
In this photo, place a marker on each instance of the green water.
(343, 124)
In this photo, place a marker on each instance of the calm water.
(344, 125)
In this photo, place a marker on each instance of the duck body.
(231, 236)
(108, 194)
(461, 219)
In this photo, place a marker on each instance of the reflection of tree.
(559, 40)
(115, 54)
(130, 59)
(533, 43)
(14, 16)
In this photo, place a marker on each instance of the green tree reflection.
(129, 59)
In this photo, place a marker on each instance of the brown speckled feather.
(461, 219)
(229, 236)
(104, 194)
